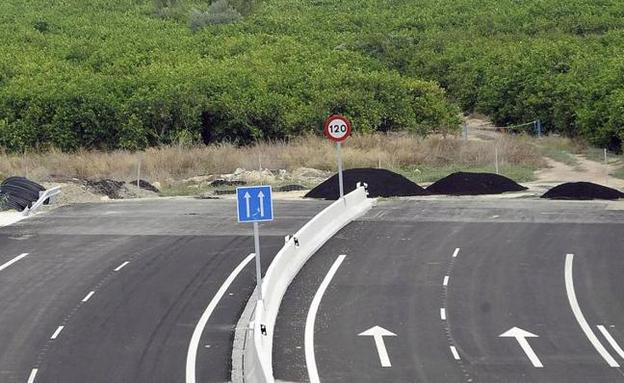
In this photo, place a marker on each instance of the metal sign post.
(255, 204)
(338, 128)
(339, 155)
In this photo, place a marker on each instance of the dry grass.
(167, 164)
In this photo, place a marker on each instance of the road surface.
(461, 291)
(113, 292)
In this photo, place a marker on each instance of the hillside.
(119, 74)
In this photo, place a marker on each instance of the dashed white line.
(455, 353)
(12, 261)
(57, 332)
(86, 298)
(443, 313)
(446, 281)
(32, 376)
(578, 314)
(191, 356)
(121, 266)
(611, 341)
(311, 319)
(456, 253)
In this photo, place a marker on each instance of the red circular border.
(336, 117)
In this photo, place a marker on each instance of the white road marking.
(378, 333)
(446, 281)
(57, 332)
(456, 253)
(520, 335)
(191, 356)
(611, 341)
(33, 374)
(121, 266)
(12, 261)
(455, 353)
(309, 326)
(443, 313)
(88, 296)
(580, 318)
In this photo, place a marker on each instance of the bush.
(219, 12)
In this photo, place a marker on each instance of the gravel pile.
(381, 183)
(463, 183)
(582, 191)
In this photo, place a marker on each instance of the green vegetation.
(430, 174)
(131, 74)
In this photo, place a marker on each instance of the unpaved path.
(587, 170)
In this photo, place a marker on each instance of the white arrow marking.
(378, 333)
(521, 336)
(261, 200)
(247, 198)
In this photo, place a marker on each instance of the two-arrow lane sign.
(378, 333)
(521, 336)
(254, 204)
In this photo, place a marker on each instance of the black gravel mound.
(381, 183)
(19, 193)
(582, 191)
(290, 188)
(145, 185)
(463, 183)
(110, 188)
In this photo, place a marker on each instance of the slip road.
(115, 292)
(464, 291)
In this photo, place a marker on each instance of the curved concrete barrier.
(257, 357)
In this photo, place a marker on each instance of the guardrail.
(257, 357)
(43, 196)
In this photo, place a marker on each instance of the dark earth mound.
(19, 192)
(464, 183)
(290, 188)
(145, 185)
(110, 188)
(381, 183)
(582, 191)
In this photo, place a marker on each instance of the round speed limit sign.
(337, 128)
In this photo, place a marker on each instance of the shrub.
(219, 12)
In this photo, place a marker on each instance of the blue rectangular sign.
(254, 204)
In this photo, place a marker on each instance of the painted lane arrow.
(261, 200)
(521, 336)
(378, 333)
(247, 197)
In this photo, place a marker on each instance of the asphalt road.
(113, 292)
(448, 278)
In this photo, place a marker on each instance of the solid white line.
(12, 261)
(191, 356)
(611, 341)
(57, 332)
(455, 353)
(33, 374)
(121, 266)
(443, 313)
(446, 281)
(309, 326)
(456, 253)
(580, 318)
(88, 296)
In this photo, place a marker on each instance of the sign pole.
(255, 204)
(339, 155)
(338, 128)
(258, 266)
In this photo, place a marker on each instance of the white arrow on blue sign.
(255, 203)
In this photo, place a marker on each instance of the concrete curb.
(242, 335)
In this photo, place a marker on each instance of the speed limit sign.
(337, 128)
